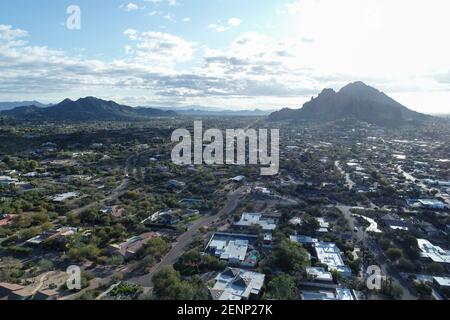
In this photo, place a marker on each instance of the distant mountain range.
(85, 109)
(92, 108)
(213, 111)
(355, 101)
(11, 105)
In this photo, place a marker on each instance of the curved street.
(186, 238)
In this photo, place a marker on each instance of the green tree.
(394, 254)
(423, 290)
(157, 247)
(45, 265)
(169, 286)
(391, 290)
(282, 287)
(435, 268)
(194, 262)
(290, 256)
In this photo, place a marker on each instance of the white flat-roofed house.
(330, 255)
(434, 253)
(268, 238)
(323, 225)
(64, 196)
(337, 294)
(319, 274)
(296, 221)
(237, 284)
(442, 283)
(256, 219)
(235, 249)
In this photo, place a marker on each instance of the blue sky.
(225, 53)
(103, 21)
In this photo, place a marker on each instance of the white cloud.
(234, 22)
(160, 48)
(131, 7)
(217, 27)
(169, 2)
(231, 23)
(8, 33)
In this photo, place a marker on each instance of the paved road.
(362, 237)
(128, 166)
(115, 194)
(348, 181)
(186, 238)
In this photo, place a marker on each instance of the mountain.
(355, 101)
(212, 112)
(86, 109)
(195, 110)
(11, 105)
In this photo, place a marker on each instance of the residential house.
(261, 191)
(46, 294)
(430, 252)
(329, 254)
(10, 291)
(323, 225)
(429, 229)
(442, 283)
(237, 284)
(319, 274)
(175, 185)
(5, 219)
(432, 204)
(64, 196)
(296, 221)
(60, 235)
(171, 216)
(394, 222)
(257, 219)
(114, 211)
(7, 180)
(337, 294)
(304, 240)
(238, 179)
(130, 247)
(236, 249)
